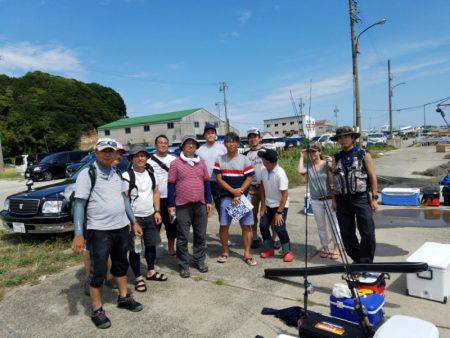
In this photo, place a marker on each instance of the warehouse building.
(290, 125)
(144, 129)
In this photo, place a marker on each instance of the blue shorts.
(225, 219)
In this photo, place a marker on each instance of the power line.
(151, 80)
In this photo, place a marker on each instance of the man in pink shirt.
(189, 198)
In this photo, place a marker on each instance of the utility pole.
(424, 117)
(357, 109)
(301, 105)
(217, 104)
(390, 98)
(336, 111)
(223, 88)
(2, 164)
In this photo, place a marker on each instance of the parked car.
(21, 164)
(325, 140)
(54, 165)
(45, 209)
(376, 138)
(36, 158)
(71, 168)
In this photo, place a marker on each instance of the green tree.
(43, 112)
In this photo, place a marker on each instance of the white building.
(144, 129)
(282, 126)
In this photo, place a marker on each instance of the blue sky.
(169, 55)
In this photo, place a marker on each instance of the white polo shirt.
(274, 182)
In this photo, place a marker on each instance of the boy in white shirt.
(274, 204)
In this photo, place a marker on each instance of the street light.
(379, 22)
(355, 44)
(391, 93)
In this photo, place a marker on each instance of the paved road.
(227, 301)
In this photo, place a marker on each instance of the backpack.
(132, 181)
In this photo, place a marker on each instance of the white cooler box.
(399, 326)
(434, 283)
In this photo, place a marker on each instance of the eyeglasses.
(312, 150)
(107, 143)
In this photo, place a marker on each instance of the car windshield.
(48, 159)
(376, 135)
(87, 158)
(315, 138)
(122, 167)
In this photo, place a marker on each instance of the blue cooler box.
(400, 196)
(344, 308)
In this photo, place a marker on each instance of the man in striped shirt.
(234, 174)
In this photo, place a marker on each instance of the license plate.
(19, 227)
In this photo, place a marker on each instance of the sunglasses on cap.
(312, 150)
(107, 143)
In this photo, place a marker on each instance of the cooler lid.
(405, 326)
(436, 255)
(400, 191)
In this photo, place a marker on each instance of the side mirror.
(29, 184)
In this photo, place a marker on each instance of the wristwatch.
(280, 212)
(157, 211)
(375, 197)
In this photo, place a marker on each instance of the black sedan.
(45, 209)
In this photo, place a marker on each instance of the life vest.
(350, 180)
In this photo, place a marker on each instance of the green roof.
(155, 118)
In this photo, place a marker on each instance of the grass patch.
(10, 174)
(197, 278)
(24, 258)
(220, 282)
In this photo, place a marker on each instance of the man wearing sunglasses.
(100, 194)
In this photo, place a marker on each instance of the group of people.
(118, 214)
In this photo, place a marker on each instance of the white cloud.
(278, 100)
(229, 35)
(167, 105)
(244, 16)
(26, 56)
(176, 66)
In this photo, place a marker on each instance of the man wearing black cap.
(209, 152)
(353, 178)
(274, 204)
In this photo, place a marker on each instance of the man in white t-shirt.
(160, 163)
(274, 204)
(143, 193)
(210, 152)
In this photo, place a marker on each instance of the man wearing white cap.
(109, 215)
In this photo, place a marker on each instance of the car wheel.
(47, 175)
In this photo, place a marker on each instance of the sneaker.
(129, 303)
(256, 243)
(277, 245)
(288, 257)
(202, 267)
(184, 273)
(267, 253)
(99, 318)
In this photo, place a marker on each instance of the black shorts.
(105, 243)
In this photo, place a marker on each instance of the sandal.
(324, 253)
(157, 277)
(250, 261)
(139, 285)
(334, 256)
(222, 258)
